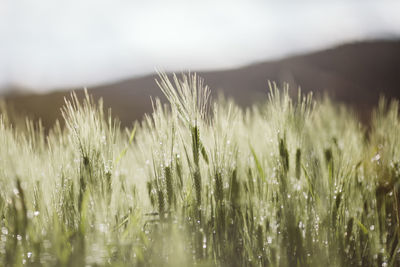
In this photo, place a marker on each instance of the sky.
(48, 44)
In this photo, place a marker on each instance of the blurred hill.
(355, 74)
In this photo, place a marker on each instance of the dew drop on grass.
(16, 192)
(377, 157)
(4, 231)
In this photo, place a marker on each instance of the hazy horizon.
(48, 45)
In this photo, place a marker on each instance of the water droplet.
(376, 157)
(4, 230)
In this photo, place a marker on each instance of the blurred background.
(349, 50)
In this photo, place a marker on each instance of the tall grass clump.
(289, 182)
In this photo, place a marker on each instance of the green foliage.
(287, 183)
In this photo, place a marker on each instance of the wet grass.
(292, 182)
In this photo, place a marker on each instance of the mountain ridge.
(354, 74)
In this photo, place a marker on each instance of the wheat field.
(203, 182)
